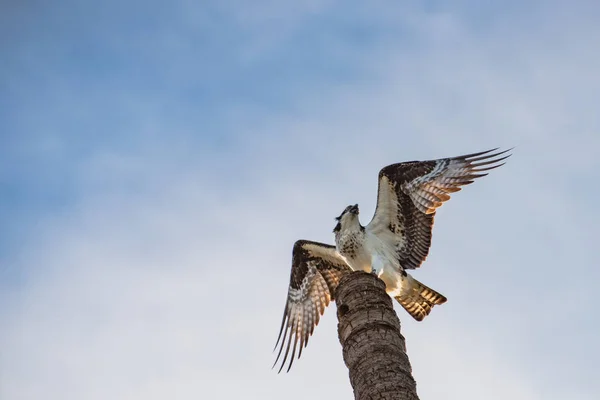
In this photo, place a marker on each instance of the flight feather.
(316, 271)
(409, 194)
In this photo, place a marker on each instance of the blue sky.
(158, 161)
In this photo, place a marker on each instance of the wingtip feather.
(485, 155)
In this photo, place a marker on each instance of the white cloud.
(174, 288)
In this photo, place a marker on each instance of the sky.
(158, 161)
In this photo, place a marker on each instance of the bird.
(397, 239)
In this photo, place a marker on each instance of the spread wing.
(316, 271)
(409, 194)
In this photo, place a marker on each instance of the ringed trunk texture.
(373, 347)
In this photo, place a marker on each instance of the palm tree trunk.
(373, 347)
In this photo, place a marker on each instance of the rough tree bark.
(373, 347)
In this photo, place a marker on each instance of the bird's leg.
(376, 262)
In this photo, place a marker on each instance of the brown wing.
(316, 271)
(409, 194)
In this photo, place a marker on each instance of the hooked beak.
(354, 209)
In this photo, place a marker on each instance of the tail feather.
(418, 299)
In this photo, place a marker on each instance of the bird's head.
(348, 218)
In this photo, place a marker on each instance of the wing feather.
(316, 271)
(410, 193)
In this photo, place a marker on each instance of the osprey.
(397, 239)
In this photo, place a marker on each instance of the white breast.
(351, 245)
(383, 252)
(384, 260)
